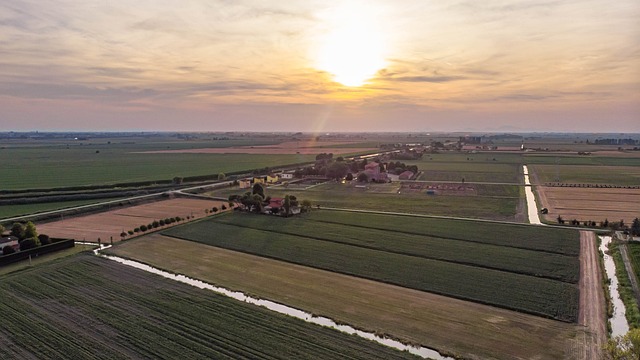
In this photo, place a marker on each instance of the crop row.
(84, 307)
(529, 262)
(552, 240)
(530, 294)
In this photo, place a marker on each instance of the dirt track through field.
(592, 305)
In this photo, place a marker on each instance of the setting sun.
(353, 49)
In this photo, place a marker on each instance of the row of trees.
(153, 225)
(28, 237)
(613, 225)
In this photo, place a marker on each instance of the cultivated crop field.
(380, 255)
(109, 224)
(413, 316)
(84, 307)
(589, 174)
(586, 204)
(100, 163)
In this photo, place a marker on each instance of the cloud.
(429, 79)
(54, 91)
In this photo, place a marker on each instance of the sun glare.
(353, 49)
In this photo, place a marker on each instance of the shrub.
(215, 209)
(136, 230)
(143, 228)
(130, 232)
(8, 250)
(27, 244)
(44, 239)
(155, 224)
(161, 222)
(223, 207)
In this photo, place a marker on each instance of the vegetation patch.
(507, 258)
(624, 286)
(536, 295)
(82, 306)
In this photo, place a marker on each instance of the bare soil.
(110, 224)
(467, 329)
(590, 203)
(592, 313)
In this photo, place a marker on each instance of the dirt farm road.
(592, 305)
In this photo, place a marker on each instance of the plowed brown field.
(590, 203)
(110, 224)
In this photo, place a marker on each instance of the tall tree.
(635, 227)
(258, 189)
(30, 231)
(17, 230)
(287, 205)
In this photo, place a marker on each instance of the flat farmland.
(290, 147)
(588, 174)
(7, 211)
(466, 329)
(109, 224)
(102, 164)
(493, 256)
(470, 171)
(497, 202)
(587, 204)
(82, 307)
(384, 261)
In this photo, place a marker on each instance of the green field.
(51, 167)
(524, 261)
(634, 254)
(569, 159)
(589, 174)
(82, 307)
(499, 203)
(377, 255)
(7, 211)
(625, 289)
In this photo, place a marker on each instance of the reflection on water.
(532, 209)
(618, 321)
(280, 308)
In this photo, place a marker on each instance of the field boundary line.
(463, 263)
(444, 238)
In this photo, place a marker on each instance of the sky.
(376, 65)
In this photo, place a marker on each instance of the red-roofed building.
(406, 175)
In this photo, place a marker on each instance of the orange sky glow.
(376, 65)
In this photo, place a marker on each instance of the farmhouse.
(244, 183)
(259, 179)
(272, 179)
(286, 176)
(372, 170)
